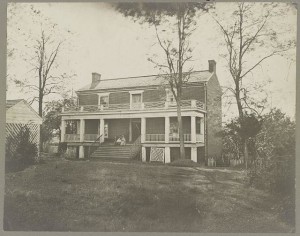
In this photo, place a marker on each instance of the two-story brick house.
(144, 111)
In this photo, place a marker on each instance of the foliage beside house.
(22, 132)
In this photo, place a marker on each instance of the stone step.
(113, 152)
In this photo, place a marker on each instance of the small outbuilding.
(20, 115)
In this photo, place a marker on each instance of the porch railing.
(185, 104)
(76, 137)
(175, 138)
(90, 137)
(155, 137)
(72, 137)
(200, 138)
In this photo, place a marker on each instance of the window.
(136, 99)
(104, 101)
(170, 96)
(198, 125)
(71, 126)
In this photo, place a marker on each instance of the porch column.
(62, 130)
(99, 129)
(143, 129)
(194, 154)
(143, 154)
(167, 129)
(102, 130)
(167, 155)
(130, 131)
(82, 128)
(81, 151)
(193, 129)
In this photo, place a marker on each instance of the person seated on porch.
(123, 140)
(118, 141)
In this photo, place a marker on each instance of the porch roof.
(141, 81)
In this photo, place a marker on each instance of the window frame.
(169, 96)
(135, 92)
(100, 95)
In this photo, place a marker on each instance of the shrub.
(26, 150)
(24, 154)
(62, 148)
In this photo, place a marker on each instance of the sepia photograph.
(150, 117)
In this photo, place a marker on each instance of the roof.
(11, 103)
(141, 81)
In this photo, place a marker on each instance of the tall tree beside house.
(174, 23)
(250, 39)
(43, 45)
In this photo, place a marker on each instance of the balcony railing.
(72, 137)
(76, 137)
(155, 137)
(185, 104)
(200, 138)
(175, 138)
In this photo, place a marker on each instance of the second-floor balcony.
(161, 105)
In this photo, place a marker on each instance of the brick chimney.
(95, 77)
(212, 66)
(95, 80)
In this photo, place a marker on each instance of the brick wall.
(175, 153)
(119, 98)
(201, 155)
(150, 95)
(193, 92)
(88, 99)
(214, 117)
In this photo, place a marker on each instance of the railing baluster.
(146, 106)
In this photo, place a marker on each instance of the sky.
(104, 41)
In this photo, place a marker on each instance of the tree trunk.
(246, 154)
(180, 130)
(41, 115)
(241, 116)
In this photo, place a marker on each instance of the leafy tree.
(238, 130)
(52, 119)
(174, 23)
(274, 168)
(277, 137)
(250, 39)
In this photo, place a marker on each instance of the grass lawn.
(63, 195)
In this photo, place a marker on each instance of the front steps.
(108, 152)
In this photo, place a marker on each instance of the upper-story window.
(103, 100)
(136, 99)
(170, 96)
